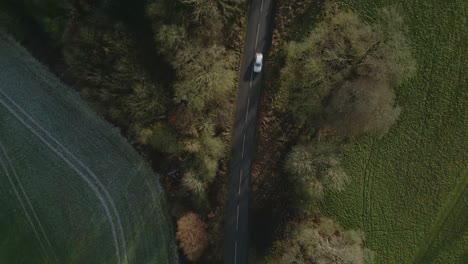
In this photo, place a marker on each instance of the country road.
(243, 144)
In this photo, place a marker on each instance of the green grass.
(405, 180)
(61, 167)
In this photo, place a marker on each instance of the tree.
(101, 55)
(319, 160)
(204, 77)
(320, 241)
(189, 35)
(313, 169)
(165, 139)
(206, 151)
(363, 105)
(346, 65)
(183, 120)
(192, 236)
(300, 162)
(206, 15)
(50, 16)
(194, 183)
(199, 20)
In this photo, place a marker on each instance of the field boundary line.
(449, 205)
(18, 196)
(79, 172)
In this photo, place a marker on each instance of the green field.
(72, 190)
(409, 190)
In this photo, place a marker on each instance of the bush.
(192, 236)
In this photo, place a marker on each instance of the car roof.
(258, 57)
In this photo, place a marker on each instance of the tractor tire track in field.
(7, 165)
(91, 185)
(366, 192)
(447, 208)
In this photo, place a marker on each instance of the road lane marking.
(256, 38)
(243, 144)
(247, 113)
(237, 222)
(240, 179)
(235, 253)
(261, 7)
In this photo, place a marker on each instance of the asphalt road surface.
(243, 144)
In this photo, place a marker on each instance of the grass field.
(72, 190)
(409, 192)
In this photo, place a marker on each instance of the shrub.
(192, 236)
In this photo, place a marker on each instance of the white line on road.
(237, 222)
(240, 179)
(235, 253)
(256, 38)
(243, 145)
(247, 113)
(261, 7)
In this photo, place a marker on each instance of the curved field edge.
(66, 207)
(400, 182)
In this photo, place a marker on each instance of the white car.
(258, 62)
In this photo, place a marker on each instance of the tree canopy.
(345, 72)
(314, 169)
(320, 241)
(102, 57)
